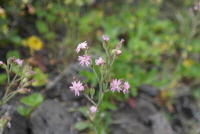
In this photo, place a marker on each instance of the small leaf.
(81, 126)
(32, 100)
(83, 110)
(41, 26)
(24, 111)
(13, 53)
(3, 78)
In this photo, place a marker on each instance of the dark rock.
(149, 90)
(51, 118)
(18, 124)
(126, 121)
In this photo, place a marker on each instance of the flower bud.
(117, 52)
(86, 91)
(92, 92)
(23, 90)
(2, 65)
(29, 73)
(29, 83)
(4, 121)
(11, 60)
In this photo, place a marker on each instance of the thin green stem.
(91, 100)
(10, 84)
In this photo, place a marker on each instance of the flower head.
(115, 85)
(80, 46)
(105, 37)
(85, 59)
(35, 43)
(126, 86)
(76, 87)
(19, 62)
(116, 51)
(1, 63)
(93, 109)
(100, 61)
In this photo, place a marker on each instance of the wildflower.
(81, 46)
(195, 8)
(76, 87)
(93, 109)
(9, 125)
(116, 51)
(19, 62)
(126, 86)
(105, 37)
(115, 85)
(120, 44)
(35, 43)
(85, 59)
(100, 61)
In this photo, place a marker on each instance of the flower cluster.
(103, 78)
(116, 85)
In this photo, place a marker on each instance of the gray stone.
(160, 125)
(145, 110)
(51, 118)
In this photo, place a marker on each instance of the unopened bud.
(92, 92)
(4, 121)
(23, 90)
(117, 52)
(2, 65)
(29, 83)
(11, 60)
(30, 73)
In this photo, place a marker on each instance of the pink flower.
(100, 61)
(195, 8)
(1, 63)
(116, 51)
(122, 40)
(105, 37)
(9, 125)
(115, 85)
(80, 46)
(93, 109)
(85, 59)
(76, 87)
(126, 86)
(19, 62)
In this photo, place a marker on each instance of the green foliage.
(3, 78)
(32, 102)
(40, 78)
(81, 126)
(12, 53)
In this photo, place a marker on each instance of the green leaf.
(24, 111)
(41, 26)
(32, 100)
(12, 53)
(3, 78)
(81, 126)
(40, 78)
(83, 110)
